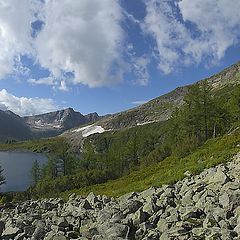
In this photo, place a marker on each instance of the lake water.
(17, 169)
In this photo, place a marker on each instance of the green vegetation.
(2, 178)
(2, 181)
(166, 146)
(116, 162)
(44, 145)
(36, 172)
(170, 170)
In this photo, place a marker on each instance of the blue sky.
(108, 56)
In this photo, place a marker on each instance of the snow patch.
(89, 130)
(92, 130)
(82, 128)
(39, 124)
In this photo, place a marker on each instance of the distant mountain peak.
(54, 123)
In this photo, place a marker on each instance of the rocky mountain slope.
(160, 108)
(229, 76)
(54, 123)
(13, 127)
(206, 206)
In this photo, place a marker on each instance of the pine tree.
(234, 105)
(36, 172)
(198, 111)
(2, 178)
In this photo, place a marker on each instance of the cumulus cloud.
(191, 32)
(24, 106)
(15, 33)
(85, 41)
(83, 38)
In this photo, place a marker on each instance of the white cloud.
(3, 107)
(215, 27)
(51, 81)
(15, 33)
(24, 106)
(63, 86)
(217, 20)
(84, 42)
(84, 38)
(138, 65)
(140, 69)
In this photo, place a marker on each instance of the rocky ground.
(206, 206)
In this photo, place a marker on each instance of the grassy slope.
(170, 170)
(44, 145)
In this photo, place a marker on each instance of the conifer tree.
(2, 178)
(36, 172)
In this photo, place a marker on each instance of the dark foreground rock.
(206, 206)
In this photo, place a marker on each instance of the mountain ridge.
(161, 108)
(14, 127)
(155, 110)
(158, 109)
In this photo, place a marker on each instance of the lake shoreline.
(17, 167)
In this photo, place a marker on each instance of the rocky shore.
(206, 206)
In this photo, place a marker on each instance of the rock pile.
(206, 206)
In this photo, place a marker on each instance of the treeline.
(205, 114)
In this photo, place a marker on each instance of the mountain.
(161, 108)
(136, 153)
(92, 117)
(157, 110)
(13, 127)
(54, 123)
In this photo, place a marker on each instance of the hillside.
(158, 109)
(161, 108)
(205, 206)
(54, 123)
(169, 170)
(13, 127)
(111, 154)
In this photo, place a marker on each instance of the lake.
(17, 169)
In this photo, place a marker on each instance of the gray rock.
(55, 236)
(86, 205)
(2, 226)
(206, 206)
(117, 230)
(10, 232)
(219, 177)
(224, 200)
(39, 234)
(163, 225)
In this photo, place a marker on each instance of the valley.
(119, 120)
(159, 143)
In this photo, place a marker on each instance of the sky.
(107, 56)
